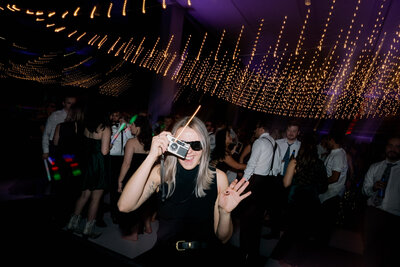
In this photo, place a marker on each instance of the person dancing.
(195, 216)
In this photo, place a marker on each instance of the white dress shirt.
(118, 147)
(335, 161)
(283, 145)
(211, 135)
(391, 201)
(55, 118)
(261, 157)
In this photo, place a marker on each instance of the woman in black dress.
(136, 150)
(68, 143)
(96, 144)
(195, 215)
(221, 157)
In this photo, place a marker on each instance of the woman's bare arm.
(146, 178)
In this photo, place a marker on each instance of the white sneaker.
(73, 224)
(89, 230)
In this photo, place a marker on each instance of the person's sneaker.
(89, 231)
(73, 224)
(101, 223)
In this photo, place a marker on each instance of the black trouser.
(277, 204)
(303, 216)
(381, 238)
(264, 194)
(329, 214)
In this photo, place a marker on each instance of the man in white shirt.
(289, 145)
(56, 187)
(55, 118)
(211, 133)
(117, 151)
(382, 216)
(259, 171)
(119, 138)
(336, 168)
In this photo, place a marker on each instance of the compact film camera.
(177, 147)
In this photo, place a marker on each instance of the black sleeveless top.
(137, 160)
(70, 142)
(183, 216)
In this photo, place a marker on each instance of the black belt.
(182, 245)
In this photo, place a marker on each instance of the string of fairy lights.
(353, 78)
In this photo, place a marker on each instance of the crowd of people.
(294, 181)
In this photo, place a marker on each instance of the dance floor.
(29, 235)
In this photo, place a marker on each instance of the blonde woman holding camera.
(195, 216)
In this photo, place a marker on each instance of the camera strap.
(163, 193)
(162, 185)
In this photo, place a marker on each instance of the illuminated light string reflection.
(338, 82)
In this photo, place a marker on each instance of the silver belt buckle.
(180, 242)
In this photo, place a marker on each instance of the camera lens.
(174, 146)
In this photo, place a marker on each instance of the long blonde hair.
(205, 174)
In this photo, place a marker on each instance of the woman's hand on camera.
(159, 144)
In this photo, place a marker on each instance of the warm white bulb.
(307, 2)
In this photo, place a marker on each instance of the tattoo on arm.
(150, 189)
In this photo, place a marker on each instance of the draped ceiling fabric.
(336, 59)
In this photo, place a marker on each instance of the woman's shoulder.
(222, 180)
(219, 172)
(221, 175)
(104, 128)
(139, 147)
(106, 132)
(214, 169)
(132, 141)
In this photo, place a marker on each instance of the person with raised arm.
(195, 215)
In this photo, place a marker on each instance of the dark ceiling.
(361, 15)
(329, 59)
